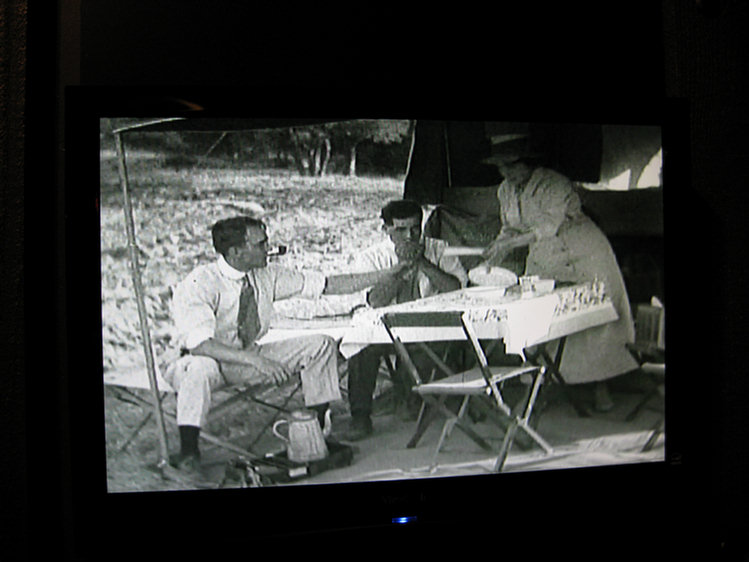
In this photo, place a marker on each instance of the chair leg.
(655, 432)
(523, 440)
(640, 405)
(506, 446)
(461, 414)
(522, 422)
(446, 430)
(425, 419)
(129, 397)
(459, 423)
(172, 418)
(444, 368)
(422, 412)
(281, 409)
(528, 436)
(509, 440)
(447, 427)
(135, 432)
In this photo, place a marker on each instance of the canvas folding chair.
(482, 383)
(649, 350)
(127, 386)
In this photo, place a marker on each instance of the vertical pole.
(447, 162)
(412, 135)
(142, 314)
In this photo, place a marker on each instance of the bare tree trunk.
(315, 157)
(352, 161)
(325, 162)
(298, 155)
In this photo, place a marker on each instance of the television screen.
(446, 315)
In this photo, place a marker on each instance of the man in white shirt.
(418, 268)
(222, 308)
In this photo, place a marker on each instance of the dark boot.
(362, 378)
(602, 401)
(187, 461)
(188, 441)
(359, 428)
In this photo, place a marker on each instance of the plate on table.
(485, 292)
(492, 276)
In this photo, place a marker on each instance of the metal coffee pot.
(305, 441)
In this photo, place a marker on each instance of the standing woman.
(541, 210)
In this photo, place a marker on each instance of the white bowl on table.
(492, 276)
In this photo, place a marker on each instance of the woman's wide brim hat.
(508, 148)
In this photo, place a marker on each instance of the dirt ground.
(323, 221)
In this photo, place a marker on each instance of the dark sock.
(188, 439)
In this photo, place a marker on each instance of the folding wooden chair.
(127, 385)
(649, 350)
(483, 383)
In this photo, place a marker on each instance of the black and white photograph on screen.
(303, 302)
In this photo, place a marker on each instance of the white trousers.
(314, 358)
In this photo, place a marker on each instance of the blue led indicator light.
(403, 520)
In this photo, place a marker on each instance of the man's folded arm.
(442, 280)
(221, 352)
(266, 369)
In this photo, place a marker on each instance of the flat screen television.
(187, 159)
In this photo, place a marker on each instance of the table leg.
(542, 358)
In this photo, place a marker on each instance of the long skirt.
(581, 252)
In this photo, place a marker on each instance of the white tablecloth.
(520, 322)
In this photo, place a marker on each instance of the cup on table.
(527, 283)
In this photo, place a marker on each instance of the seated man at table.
(222, 308)
(425, 271)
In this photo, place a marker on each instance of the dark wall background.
(460, 65)
(13, 505)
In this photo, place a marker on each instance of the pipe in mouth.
(277, 251)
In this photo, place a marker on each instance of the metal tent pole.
(142, 314)
(412, 134)
(447, 162)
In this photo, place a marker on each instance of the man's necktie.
(248, 322)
